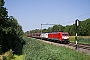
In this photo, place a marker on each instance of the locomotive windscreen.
(65, 34)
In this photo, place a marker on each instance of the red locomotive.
(60, 36)
(57, 36)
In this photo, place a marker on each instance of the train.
(62, 37)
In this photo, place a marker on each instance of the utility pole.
(45, 24)
(41, 31)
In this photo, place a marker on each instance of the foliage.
(37, 50)
(67, 28)
(3, 25)
(16, 35)
(57, 28)
(84, 29)
(1, 3)
(72, 30)
(10, 32)
(18, 57)
(7, 56)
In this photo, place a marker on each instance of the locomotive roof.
(64, 32)
(59, 32)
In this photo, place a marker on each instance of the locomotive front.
(65, 37)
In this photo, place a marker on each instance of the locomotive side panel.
(53, 36)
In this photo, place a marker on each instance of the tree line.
(83, 29)
(10, 32)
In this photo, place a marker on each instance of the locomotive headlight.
(65, 37)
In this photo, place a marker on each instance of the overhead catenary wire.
(74, 18)
(65, 19)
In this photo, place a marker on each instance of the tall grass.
(81, 39)
(7, 55)
(37, 50)
(84, 40)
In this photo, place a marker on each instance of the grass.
(37, 50)
(72, 38)
(18, 57)
(81, 39)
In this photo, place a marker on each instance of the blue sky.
(31, 13)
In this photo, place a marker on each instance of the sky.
(32, 13)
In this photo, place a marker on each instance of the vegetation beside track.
(18, 57)
(81, 39)
(37, 50)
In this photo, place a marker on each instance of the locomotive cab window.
(65, 34)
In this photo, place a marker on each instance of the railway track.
(83, 46)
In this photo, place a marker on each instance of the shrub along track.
(83, 48)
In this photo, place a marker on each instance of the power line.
(79, 16)
(67, 19)
(48, 24)
(74, 18)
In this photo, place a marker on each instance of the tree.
(49, 29)
(15, 42)
(72, 30)
(3, 25)
(57, 28)
(67, 28)
(10, 31)
(84, 28)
